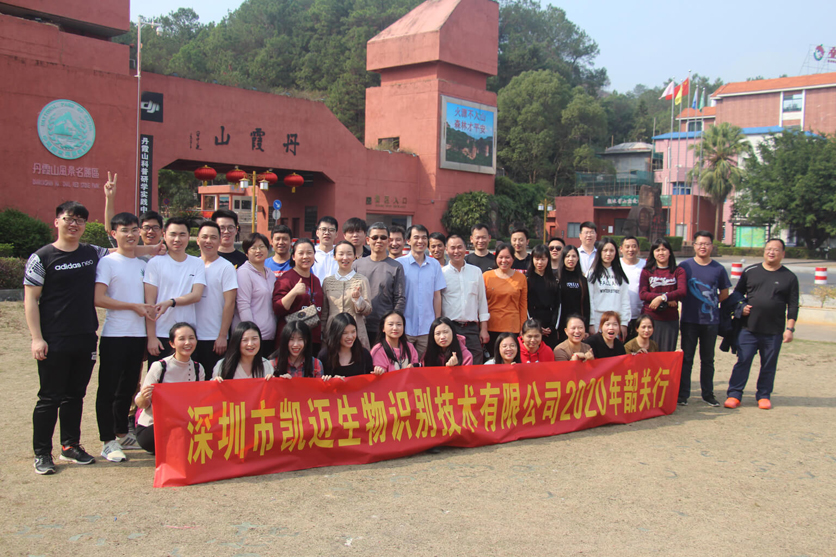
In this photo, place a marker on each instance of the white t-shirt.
(220, 277)
(633, 273)
(325, 265)
(239, 371)
(173, 280)
(175, 372)
(123, 277)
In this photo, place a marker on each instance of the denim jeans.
(769, 346)
(706, 335)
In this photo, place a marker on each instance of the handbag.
(306, 315)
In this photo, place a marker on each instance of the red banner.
(245, 427)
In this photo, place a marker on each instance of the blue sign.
(66, 129)
(277, 205)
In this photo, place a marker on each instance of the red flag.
(681, 90)
(667, 94)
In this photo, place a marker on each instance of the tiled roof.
(706, 112)
(779, 84)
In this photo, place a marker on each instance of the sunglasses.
(376, 238)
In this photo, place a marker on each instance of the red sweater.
(543, 354)
(313, 292)
(658, 282)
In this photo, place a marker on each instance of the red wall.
(572, 209)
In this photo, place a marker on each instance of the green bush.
(25, 233)
(534, 242)
(492, 244)
(6, 250)
(192, 248)
(11, 272)
(96, 234)
(644, 243)
(193, 231)
(675, 242)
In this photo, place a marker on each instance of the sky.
(653, 41)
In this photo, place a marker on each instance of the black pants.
(205, 355)
(63, 377)
(472, 342)
(166, 351)
(145, 437)
(120, 363)
(706, 335)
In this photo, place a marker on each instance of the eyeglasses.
(555, 248)
(258, 248)
(230, 228)
(701, 244)
(376, 238)
(323, 229)
(155, 228)
(78, 221)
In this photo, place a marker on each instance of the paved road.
(804, 268)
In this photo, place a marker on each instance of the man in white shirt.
(325, 265)
(464, 300)
(120, 290)
(216, 307)
(174, 283)
(632, 265)
(587, 251)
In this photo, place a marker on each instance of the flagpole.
(670, 162)
(693, 187)
(702, 140)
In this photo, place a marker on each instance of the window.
(389, 143)
(574, 230)
(243, 204)
(695, 126)
(680, 230)
(208, 202)
(792, 102)
(681, 188)
(223, 202)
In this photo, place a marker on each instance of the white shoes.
(112, 451)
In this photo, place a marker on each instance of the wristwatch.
(791, 329)
(173, 303)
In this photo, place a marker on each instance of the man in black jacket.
(771, 292)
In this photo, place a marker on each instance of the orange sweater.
(507, 302)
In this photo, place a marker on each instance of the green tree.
(530, 127)
(177, 192)
(790, 183)
(465, 210)
(721, 146)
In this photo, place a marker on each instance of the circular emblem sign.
(66, 129)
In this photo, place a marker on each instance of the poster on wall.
(468, 136)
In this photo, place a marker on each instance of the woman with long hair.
(507, 350)
(445, 347)
(253, 301)
(342, 353)
(243, 355)
(294, 356)
(299, 289)
(574, 290)
(661, 285)
(608, 286)
(507, 294)
(347, 291)
(393, 351)
(543, 294)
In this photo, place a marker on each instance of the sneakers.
(112, 451)
(711, 401)
(77, 454)
(682, 402)
(764, 404)
(129, 443)
(732, 402)
(44, 464)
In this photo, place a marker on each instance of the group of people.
(342, 308)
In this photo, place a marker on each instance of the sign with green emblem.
(66, 129)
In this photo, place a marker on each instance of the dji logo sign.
(151, 106)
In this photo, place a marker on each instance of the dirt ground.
(701, 481)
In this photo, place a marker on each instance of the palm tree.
(719, 172)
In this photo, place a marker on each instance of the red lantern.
(235, 176)
(293, 181)
(269, 177)
(205, 174)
